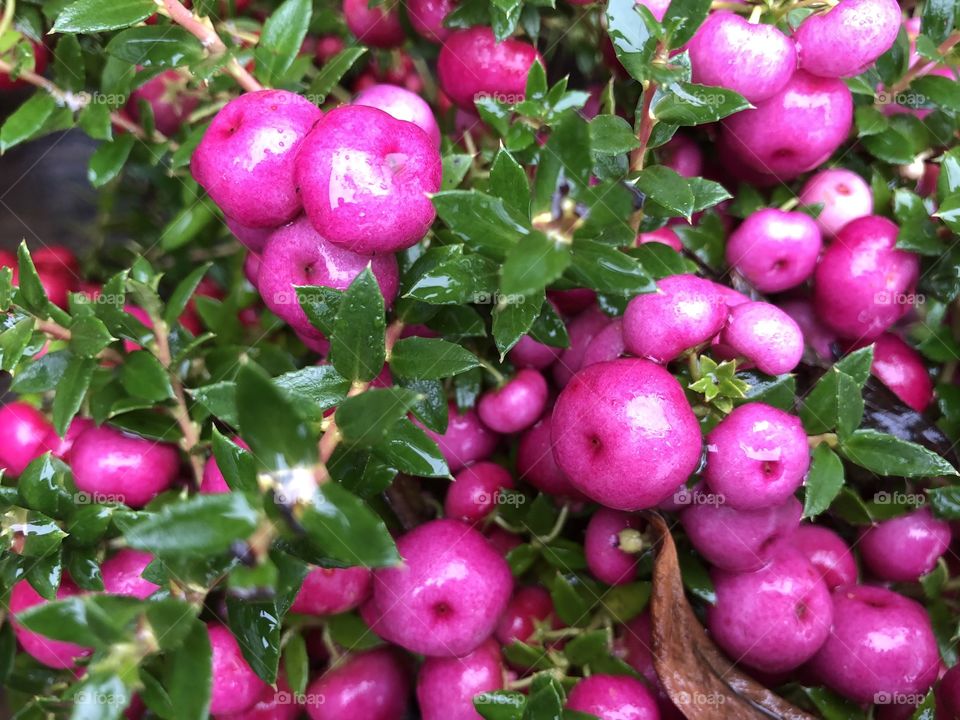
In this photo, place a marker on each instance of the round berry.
(331, 591)
(843, 195)
(765, 335)
(828, 553)
(167, 97)
(608, 344)
(516, 405)
(254, 239)
(236, 687)
(465, 440)
(403, 105)
(529, 353)
(536, 463)
(902, 369)
(446, 687)
(475, 491)
(846, 40)
(373, 685)
(472, 64)
(580, 331)
(815, 336)
(123, 574)
(52, 653)
(775, 250)
(213, 482)
(378, 26)
(613, 697)
(605, 558)
(664, 236)
(917, 541)
(25, 431)
(529, 608)
(427, 16)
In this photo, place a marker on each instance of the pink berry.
(472, 64)
(613, 697)
(830, 556)
(25, 431)
(61, 446)
(901, 368)
(123, 574)
(427, 16)
(251, 268)
(606, 561)
(115, 466)
(528, 353)
(52, 653)
(167, 97)
(530, 606)
(919, 540)
(246, 158)
(773, 619)
(684, 312)
(624, 433)
(683, 156)
(756, 457)
(272, 705)
(330, 591)
(378, 26)
(446, 687)
(657, 8)
(573, 301)
(863, 284)
(880, 642)
(795, 130)
(253, 238)
(846, 40)
(466, 439)
(636, 642)
(844, 195)
(403, 105)
(372, 685)
(664, 236)
(948, 694)
(236, 687)
(815, 335)
(765, 335)
(536, 463)
(453, 587)
(608, 344)
(775, 250)
(739, 540)
(752, 59)
(365, 178)
(515, 405)
(213, 481)
(581, 331)
(475, 491)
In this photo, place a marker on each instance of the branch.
(922, 66)
(56, 331)
(208, 37)
(646, 127)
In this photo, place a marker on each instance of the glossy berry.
(530, 607)
(123, 574)
(475, 491)
(773, 619)
(372, 685)
(170, 103)
(446, 687)
(378, 26)
(403, 105)
(765, 335)
(25, 430)
(516, 405)
(331, 591)
(624, 434)
(815, 336)
(472, 64)
(213, 482)
(863, 284)
(881, 642)
(60, 447)
(756, 457)
(528, 353)
(365, 178)
(752, 59)
(271, 705)
(775, 250)
(664, 236)
(847, 39)
(455, 587)
(427, 16)
(536, 464)
(465, 440)
(613, 697)
(52, 653)
(902, 369)
(739, 540)
(608, 344)
(245, 161)
(843, 195)
(236, 687)
(948, 694)
(114, 466)
(905, 547)
(601, 546)
(684, 312)
(828, 553)
(581, 331)
(682, 155)
(254, 239)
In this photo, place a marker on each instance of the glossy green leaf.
(89, 16)
(887, 455)
(331, 72)
(686, 103)
(430, 358)
(26, 119)
(365, 419)
(343, 527)
(108, 160)
(281, 38)
(69, 397)
(156, 46)
(824, 480)
(357, 348)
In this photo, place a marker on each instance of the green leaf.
(409, 450)
(366, 418)
(686, 103)
(281, 38)
(256, 624)
(917, 234)
(156, 46)
(824, 481)
(296, 663)
(607, 270)
(508, 181)
(189, 680)
(357, 348)
(945, 501)
(26, 119)
(707, 193)
(943, 92)
(108, 160)
(68, 69)
(340, 525)
(836, 401)
(533, 263)
(481, 220)
(564, 160)
(13, 343)
(666, 188)
(95, 121)
(182, 294)
(200, 526)
(500, 705)
(313, 389)
(237, 465)
(90, 16)
(188, 224)
(70, 394)
(634, 33)
(88, 336)
(446, 275)
(143, 376)
(455, 167)
(612, 135)
(887, 455)
(430, 358)
(938, 19)
(320, 304)
(949, 212)
(31, 294)
(331, 72)
(682, 19)
(39, 375)
(513, 320)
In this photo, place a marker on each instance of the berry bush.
(501, 359)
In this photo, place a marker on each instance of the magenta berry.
(475, 491)
(114, 466)
(528, 353)
(446, 687)
(25, 431)
(739, 540)
(378, 26)
(473, 64)
(664, 236)
(246, 158)
(905, 547)
(455, 587)
(775, 250)
(765, 335)
(427, 16)
(863, 284)
(371, 685)
(466, 439)
(683, 156)
(608, 344)
(756, 457)
(530, 607)
(52, 653)
(815, 336)
(123, 574)
(298, 255)
(536, 463)
(881, 642)
(253, 238)
(843, 194)
(365, 178)
(60, 447)
(752, 59)
(901, 368)
(403, 105)
(847, 39)
(581, 331)
(516, 405)
(948, 694)
(213, 481)
(773, 619)
(605, 559)
(684, 312)
(624, 433)
(236, 686)
(613, 697)
(272, 705)
(330, 591)
(795, 130)
(828, 553)
(166, 96)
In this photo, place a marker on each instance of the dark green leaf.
(685, 103)
(13, 342)
(455, 167)
(70, 394)
(533, 263)
(340, 525)
(887, 455)
(26, 119)
(39, 375)
(366, 418)
(938, 19)
(408, 449)
(513, 320)
(666, 188)
(281, 38)
(824, 481)
(189, 675)
(108, 160)
(481, 220)
(612, 135)
(88, 336)
(634, 33)
(313, 389)
(682, 19)
(143, 376)
(331, 72)
(508, 181)
(430, 358)
(90, 16)
(182, 294)
(156, 46)
(357, 346)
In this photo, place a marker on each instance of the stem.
(56, 331)
(6, 22)
(557, 526)
(646, 126)
(830, 439)
(921, 66)
(202, 29)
